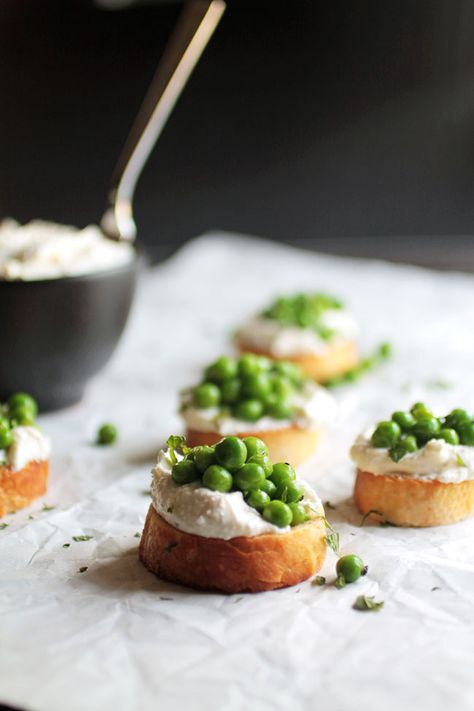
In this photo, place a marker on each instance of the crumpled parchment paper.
(115, 637)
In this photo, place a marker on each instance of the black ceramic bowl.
(58, 333)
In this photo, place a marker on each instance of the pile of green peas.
(235, 464)
(20, 409)
(249, 387)
(408, 431)
(303, 311)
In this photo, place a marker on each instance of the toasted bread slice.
(337, 358)
(405, 501)
(288, 444)
(245, 564)
(19, 488)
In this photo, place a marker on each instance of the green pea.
(107, 434)
(250, 476)
(255, 446)
(230, 391)
(457, 416)
(231, 453)
(185, 472)
(404, 420)
(386, 434)
(203, 457)
(257, 499)
(350, 567)
(283, 388)
(206, 395)
(249, 364)
(466, 433)
(278, 513)
(265, 363)
(262, 460)
(419, 409)
(257, 386)
(23, 400)
(21, 415)
(282, 474)
(218, 479)
(281, 410)
(290, 492)
(426, 428)
(248, 410)
(299, 513)
(409, 443)
(269, 488)
(224, 368)
(289, 370)
(6, 435)
(449, 435)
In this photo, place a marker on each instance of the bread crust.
(244, 564)
(406, 501)
(337, 358)
(19, 488)
(289, 444)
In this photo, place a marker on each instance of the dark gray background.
(346, 126)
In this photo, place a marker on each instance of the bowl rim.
(130, 265)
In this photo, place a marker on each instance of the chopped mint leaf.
(176, 443)
(79, 539)
(383, 352)
(47, 507)
(332, 538)
(367, 603)
(145, 492)
(66, 545)
(340, 582)
(328, 505)
(163, 597)
(83, 569)
(460, 461)
(372, 512)
(440, 384)
(319, 580)
(3, 526)
(137, 535)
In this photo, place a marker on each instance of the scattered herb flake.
(328, 505)
(31, 518)
(460, 461)
(162, 597)
(79, 539)
(83, 569)
(319, 580)
(238, 599)
(137, 535)
(3, 526)
(366, 603)
(47, 507)
(440, 384)
(372, 512)
(332, 538)
(340, 582)
(66, 545)
(146, 492)
(435, 588)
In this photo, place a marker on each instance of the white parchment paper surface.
(115, 637)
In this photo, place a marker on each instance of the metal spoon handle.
(195, 27)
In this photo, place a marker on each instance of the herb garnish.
(384, 523)
(3, 526)
(176, 443)
(328, 505)
(146, 492)
(332, 538)
(137, 535)
(366, 603)
(47, 507)
(83, 569)
(382, 353)
(460, 461)
(319, 580)
(66, 545)
(79, 539)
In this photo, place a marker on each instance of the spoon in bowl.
(195, 28)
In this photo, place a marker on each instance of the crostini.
(255, 396)
(226, 518)
(417, 469)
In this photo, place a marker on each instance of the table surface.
(116, 637)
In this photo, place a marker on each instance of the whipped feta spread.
(436, 460)
(193, 508)
(46, 250)
(270, 336)
(314, 407)
(28, 445)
